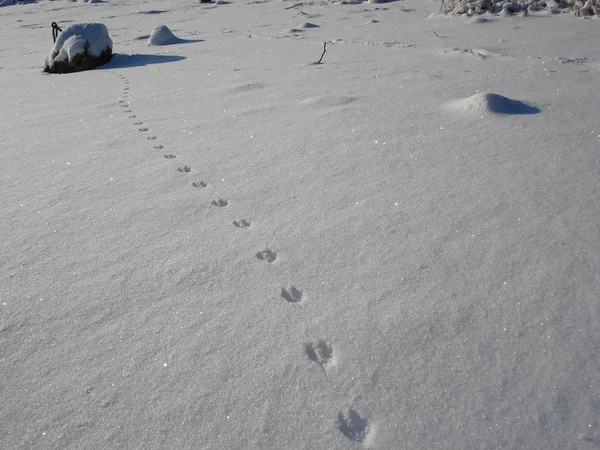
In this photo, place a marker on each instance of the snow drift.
(490, 103)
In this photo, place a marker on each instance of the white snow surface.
(72, 39)
(219, 244)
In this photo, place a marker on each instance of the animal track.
(152, 138)
(132, 117)
(267, 255)
(184, 169)
(354, 426)
(221, 202)
(242, 223)
(589, 437)
(320, 352)
(201, 184)
(127, 110)
(170, 156)
(292, 296)
(138, 123)
(144, 129)
(159, 147)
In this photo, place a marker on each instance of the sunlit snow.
(221, 244)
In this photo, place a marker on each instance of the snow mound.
(489, 103)
(79, 47)
(161, 35)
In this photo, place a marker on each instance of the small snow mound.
(489, 103)
(161, 35)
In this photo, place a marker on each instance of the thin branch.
(324, 50)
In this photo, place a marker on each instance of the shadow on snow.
(175, 41)
(119, 60)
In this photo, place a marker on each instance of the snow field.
(221, 245)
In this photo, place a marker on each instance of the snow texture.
(219, 244)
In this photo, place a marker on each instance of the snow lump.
(161, 35)
(490, 103)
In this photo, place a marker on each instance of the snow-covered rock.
(161, 35)
(79, 47)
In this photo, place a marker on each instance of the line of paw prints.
(351, 423)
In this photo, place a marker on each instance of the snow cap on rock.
(79, 47)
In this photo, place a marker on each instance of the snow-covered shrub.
(504, 7)
(79, 47)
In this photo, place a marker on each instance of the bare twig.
(324, 50)
(436, 35)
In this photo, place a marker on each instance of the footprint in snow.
(267, 255)
(159, 147)
(353, 425)
(127, 110)
(293, 295)
(170, 156)
(132, 117)
(200, 184)
(143, 129)
(589, 437)
(152, 138)
(320, 352)
(242, 223)
(221, 202)
(138, 123)
(184, 169)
